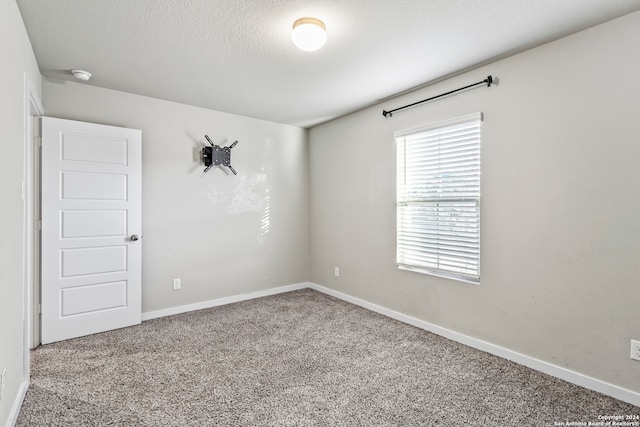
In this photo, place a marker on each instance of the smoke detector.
(81, 75)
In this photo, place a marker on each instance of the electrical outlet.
(4, 371)
(635, 350)
(336, 271)
(177, 284)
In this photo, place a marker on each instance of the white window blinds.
(438, 198)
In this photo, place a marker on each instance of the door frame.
(31, 215)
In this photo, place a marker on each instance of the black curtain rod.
(488, 81)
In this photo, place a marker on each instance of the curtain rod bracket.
(488, 81)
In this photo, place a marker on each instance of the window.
(438, 198)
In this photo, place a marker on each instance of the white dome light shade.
(309, 34)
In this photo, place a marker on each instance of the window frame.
(437, 203)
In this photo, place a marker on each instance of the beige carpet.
(295, 359)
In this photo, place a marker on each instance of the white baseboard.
(568, 375)
(17, 404)
(221, 301)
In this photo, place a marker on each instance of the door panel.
(95, 260)
(92, 298)
(87, 148)
(96, 223)
(93, 186)
(91, 205)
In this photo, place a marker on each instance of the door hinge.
(39, 308)
(38, 141)
(39, 224)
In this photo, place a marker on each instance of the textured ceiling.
(237, 56)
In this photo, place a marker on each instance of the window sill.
(439, 274)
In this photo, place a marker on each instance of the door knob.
(134, 237)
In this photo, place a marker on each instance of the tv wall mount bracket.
(216, 155)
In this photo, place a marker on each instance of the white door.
(91, 226)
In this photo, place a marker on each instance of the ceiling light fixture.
(81, 75)
(309, 34)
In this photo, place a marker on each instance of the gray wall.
(17, 58)
(560, 205)
(222, 234)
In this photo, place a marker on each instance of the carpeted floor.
(295, 359)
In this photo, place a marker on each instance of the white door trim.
(33, 110)
(30, 236)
